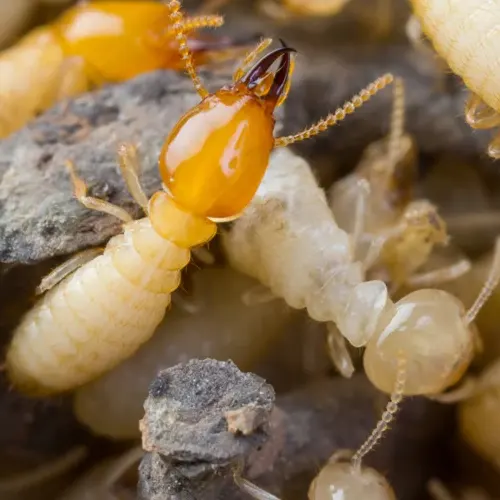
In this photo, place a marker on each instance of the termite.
(211, 165)
(91, 44)
(289, 240)
(406, 230)
(465, 34)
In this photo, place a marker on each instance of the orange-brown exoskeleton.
(465, 34)
(91, 44)
(211, 165)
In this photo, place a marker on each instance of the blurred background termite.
(91, 44)
(465, 34)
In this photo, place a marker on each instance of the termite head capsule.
(430, 329)
(215, 157)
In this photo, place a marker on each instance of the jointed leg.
(80, 190)
(250, 58)
(338, 352)
(333, 118)
(439, 276)
(130, 169)
(256, 295)
(479, 115)
(363, 191)
(250, 488)
(494, 147)
(66, 268)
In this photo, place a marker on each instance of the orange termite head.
(215, 157)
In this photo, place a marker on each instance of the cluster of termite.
(345, 249)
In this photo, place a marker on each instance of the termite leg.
(468, 388)
(66, 268)
(80, 191)
(338, 352)
(204, 255)
(122, 464)
(45, 472)
(251, 489)
(479, 115)
(258, 294)
(390, 410)
(333, 118)
(494, 147)
(131, 168)
(439, 276)
(438, 491)
(250, 58)
(373, 252)
(363, 191)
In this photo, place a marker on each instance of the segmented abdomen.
(466, 33)
(99, 315)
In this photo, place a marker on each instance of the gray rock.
(187, 427)
(305, 429)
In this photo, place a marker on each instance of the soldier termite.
(211, 165)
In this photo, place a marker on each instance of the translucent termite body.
(382, 187)
(211, 165)
(289, 240)
(91, 44)
(465, 34)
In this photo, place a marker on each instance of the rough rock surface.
(307, 427)
(186, 427)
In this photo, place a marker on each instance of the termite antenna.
(488, 287)
(397, 123)
(387, 417)
(179, 30)
(194, 23)
(333, 118)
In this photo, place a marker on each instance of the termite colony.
(356, 257)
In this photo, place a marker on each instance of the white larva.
(466, 34)
(76, 322)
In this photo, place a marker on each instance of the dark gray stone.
(192, 448)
